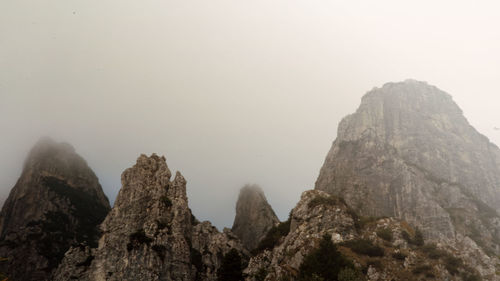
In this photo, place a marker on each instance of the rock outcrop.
(307, 225)
(408, 152)
(380, 248)
(56, 202)
(254, 216)
(151, 234)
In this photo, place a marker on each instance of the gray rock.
(254, 216)
(56, 202)
(309, 222)
(319, 213)
(408, 152)
(150, 234)
(212, 245)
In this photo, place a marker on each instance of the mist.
(231, 92)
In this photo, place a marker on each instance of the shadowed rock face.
(56, 202)
(254, 216)
(150, 234)
(408, 152)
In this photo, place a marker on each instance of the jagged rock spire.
(254, 216)
(151, 234)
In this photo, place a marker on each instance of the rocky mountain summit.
(254, 216)
(408, 152)
(56, 202)
(151, 234)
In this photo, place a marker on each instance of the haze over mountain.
(56, 203)
(230, 92)
(254, 216)
(409, 191)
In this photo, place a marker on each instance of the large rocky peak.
(426, 128)
(56, 202)
(254, 216)
(150, 234)
(408, 152)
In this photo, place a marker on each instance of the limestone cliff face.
(150, 234)
(408, 152)
(254, 216)
(56, 202)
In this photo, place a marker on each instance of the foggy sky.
(231, 92)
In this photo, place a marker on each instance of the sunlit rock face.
(56, 202)
(408, 152)
(254, 216)
(150, 234)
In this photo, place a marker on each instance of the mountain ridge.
(408, 191)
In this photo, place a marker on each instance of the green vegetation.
(406, 236)
(432, 251)
(422, 269)
(350, 274)
(364, 247)
(452, 264)
(325, 263)
(231, 268)
(385, 233)
(417, 240)
(138, 238)
(273, 236)
(374, 262)
(467, 276)
(364, 221)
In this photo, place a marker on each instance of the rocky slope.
(56, 202)
(380, 248)
(151, 234)
(254, 216)
(408, 152)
